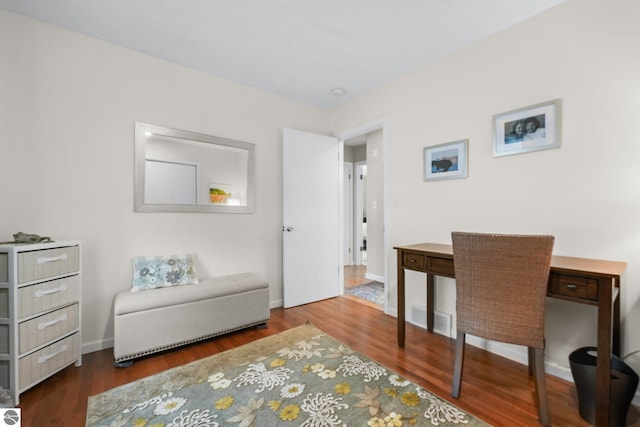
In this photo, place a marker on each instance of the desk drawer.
(574, 287)
(440, 266)
(413, 261)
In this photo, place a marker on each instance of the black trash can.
(624, 382)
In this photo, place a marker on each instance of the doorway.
(360, 213)
(364, 278)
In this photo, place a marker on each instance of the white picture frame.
(446, 161)
(532, 128)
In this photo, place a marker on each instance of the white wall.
(586, 193)
(68, 104)
(375, 206)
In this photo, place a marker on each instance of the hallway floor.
(354, 275)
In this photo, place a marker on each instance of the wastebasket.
(624, 382)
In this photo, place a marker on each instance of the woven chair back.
(501, 285)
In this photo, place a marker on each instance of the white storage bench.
(159, 319)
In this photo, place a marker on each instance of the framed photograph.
(446, 161)
(527, 129)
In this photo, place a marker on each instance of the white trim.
(340, 253)
(374, 277)
(358, 216)
(348, 259)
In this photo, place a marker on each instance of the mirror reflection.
(180, 171)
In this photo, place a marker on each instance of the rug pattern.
(372, 291)
(301, 377)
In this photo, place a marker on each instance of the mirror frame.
(140, 161)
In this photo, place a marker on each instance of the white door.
(311, 195)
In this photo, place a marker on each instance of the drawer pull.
(572, 287)
(44, 260)
(45, 325)
(44, 292)
(46, 357)
(412, 261)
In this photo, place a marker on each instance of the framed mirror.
(180, 171)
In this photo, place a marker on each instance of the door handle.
(289, 228)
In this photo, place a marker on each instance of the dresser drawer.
(4, 303)
(4, 267)
(574, 287)
(36, 265)
(44, 296)
(48, 327)
(48, 360)
(413, 261)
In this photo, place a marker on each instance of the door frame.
(358, 216)
(378, 124)
(347, 185)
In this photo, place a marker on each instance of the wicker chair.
(501, 285)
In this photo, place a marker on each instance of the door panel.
(312, 239)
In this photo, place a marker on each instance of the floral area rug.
(372, 291)
(300, 377)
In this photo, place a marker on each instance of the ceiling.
(297, 49)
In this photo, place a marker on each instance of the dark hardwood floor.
(494, 389)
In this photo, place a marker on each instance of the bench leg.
(123, 364)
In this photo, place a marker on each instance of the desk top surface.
(558, 262)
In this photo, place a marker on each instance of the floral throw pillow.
(163, 271)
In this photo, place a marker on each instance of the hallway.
(354, 275)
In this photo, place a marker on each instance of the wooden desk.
(581, 280)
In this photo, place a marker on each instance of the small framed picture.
(446, 161)
(527, 129)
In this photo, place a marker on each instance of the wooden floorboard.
(494, 389)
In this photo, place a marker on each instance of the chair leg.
(457, 365)
(541, 386)
(530, 359)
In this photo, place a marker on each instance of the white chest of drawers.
(39, 312)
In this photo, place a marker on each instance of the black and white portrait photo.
(532, 128)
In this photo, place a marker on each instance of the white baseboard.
(441, 320)
(374, 277)
(90, 347)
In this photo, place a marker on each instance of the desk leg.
(603, 377)
(430, 301)
(400, 301)
(616, 323)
